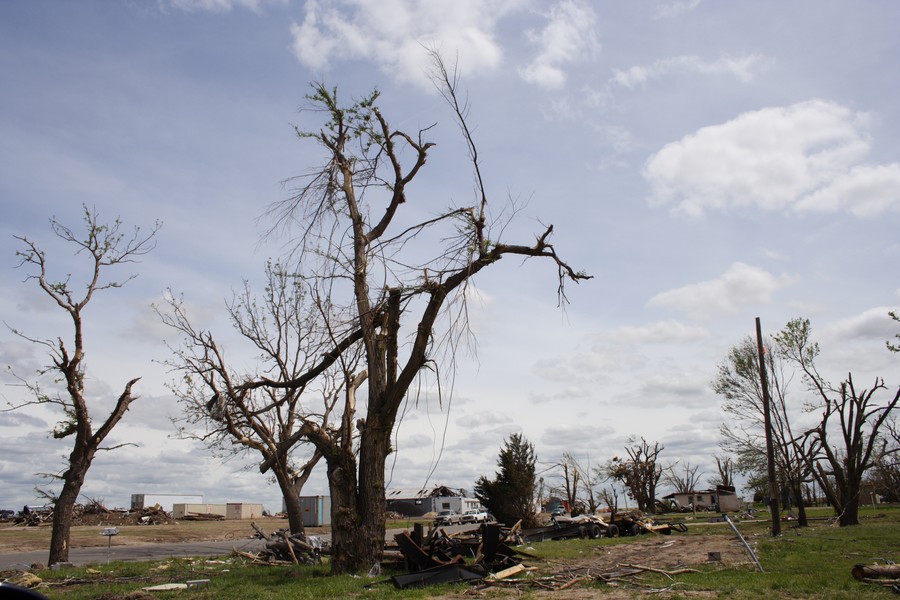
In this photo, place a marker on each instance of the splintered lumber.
(514, 570)
(259, 531)
(864, 572)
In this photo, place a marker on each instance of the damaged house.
(419, 502)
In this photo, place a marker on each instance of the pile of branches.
(283, 548)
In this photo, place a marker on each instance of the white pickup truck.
(475, 516)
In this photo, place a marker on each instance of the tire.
(596, 532)
(636, 529)
(612, 531)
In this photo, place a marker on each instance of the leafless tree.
(571, 476)
(103, 246)
(684, 480)
(283, 329)
(392, 284)
(884, 476)
(640, 473)
(743, 432)
(853, 414)
(724, 472)
(580, 484)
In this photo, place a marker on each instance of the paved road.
(137, 552)
(85, 556)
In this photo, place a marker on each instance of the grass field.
(813, 562)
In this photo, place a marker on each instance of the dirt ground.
(668, 553)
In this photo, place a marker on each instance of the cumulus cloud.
(743, 68)
(741, 285)
(567, 36)
(802, 158)
(397, 34)
(662, 332)
(873, 324)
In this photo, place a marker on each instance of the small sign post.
(109, 532)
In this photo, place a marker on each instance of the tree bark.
(64, 508)
(290, 491)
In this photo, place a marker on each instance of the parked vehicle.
(447, 517)
(475, 516)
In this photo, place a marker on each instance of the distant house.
(419, 502)
(721, 499)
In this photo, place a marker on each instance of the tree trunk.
(348, 547)
(797, 493)
(63, 510)
(291, 494)
(850, 513)
(373, 451)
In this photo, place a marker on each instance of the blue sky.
(707, 162)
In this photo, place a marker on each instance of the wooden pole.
(770, 448)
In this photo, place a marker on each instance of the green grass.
(811, 562)
(814, 562)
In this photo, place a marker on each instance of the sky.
(707, 162)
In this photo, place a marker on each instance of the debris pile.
(283, 548)
(469, 555)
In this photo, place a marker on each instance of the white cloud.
(864, 191)
(873, 324)
(396, 34)
(744, 68)
(740, 285)
(568, 35)
(803, 157)
(662, 332)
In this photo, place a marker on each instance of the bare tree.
(724, 472)
(283, 329)
(884, 476)
(684, 480)
(385, 286)
(103, 246)
(858, 420)
(571, 475)
(640, 473)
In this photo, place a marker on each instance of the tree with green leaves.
(509, 496)
(102, 246)
(894, 347)
(743, 431)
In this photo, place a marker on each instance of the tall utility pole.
(770, 448)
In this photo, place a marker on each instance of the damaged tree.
(375, 290)
(738, 382)
(104, 246)
(839, 466)
(640, 472)
(284, 330)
